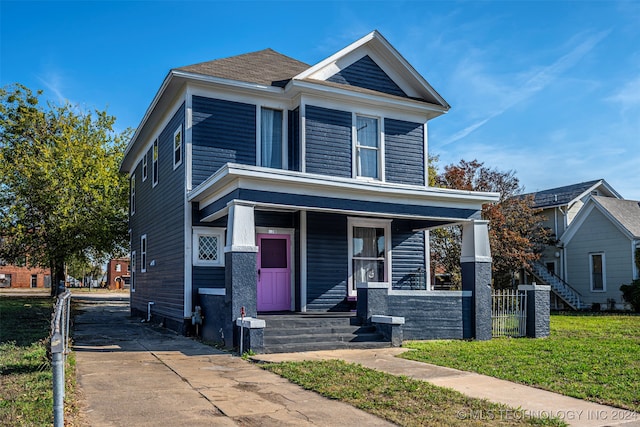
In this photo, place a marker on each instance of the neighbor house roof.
(625, 212)
(561, 196)
(265, 67)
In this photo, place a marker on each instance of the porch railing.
(414, 281)
(59, 350)
(509, 313)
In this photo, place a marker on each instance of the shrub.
(631, 294)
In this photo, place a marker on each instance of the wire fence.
(59, 349)
(509, 313)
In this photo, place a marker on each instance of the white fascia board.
(328, 61)
(383, 48)
(403, 104)
(284, 181)
(126, 166)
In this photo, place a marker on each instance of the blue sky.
(550, 89)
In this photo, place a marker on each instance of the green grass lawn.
(595, 358)
(399, 399)
(26, 396)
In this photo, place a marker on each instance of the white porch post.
(475, 262)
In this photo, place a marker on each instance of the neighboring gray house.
(262, 183)
(600, 246)
(567, 264)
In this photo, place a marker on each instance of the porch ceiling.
(281, 189)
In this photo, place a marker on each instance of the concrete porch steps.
(293, 332)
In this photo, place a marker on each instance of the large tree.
(515, 231)
(61, 193)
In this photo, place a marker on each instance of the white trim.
(212, 291)
(374, 285)
(173, 145)
(303, 136)
(188, 247)
(145, 167)
(132, 283)
(368, 223)
(427, 258)
(155, 176)
(425, 135)
(266, 179)
(303, 261)
(132, 194)
(217, 232)
(144, 253)
(604, 272)
(291, 232)
(425, 293)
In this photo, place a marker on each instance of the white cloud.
(628, 96)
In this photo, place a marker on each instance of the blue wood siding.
(407, 253)
(367, 74)
(160, 215)
(223, 132)
(328, 141)
(294, 140)
(404, 152)
(274, 219)
(327, 260)
(207, 277)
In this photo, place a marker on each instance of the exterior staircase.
(562, 289)
(294, 332)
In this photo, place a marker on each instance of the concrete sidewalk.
(529, 401)
(131, 374)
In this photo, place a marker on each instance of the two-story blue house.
(264, 183)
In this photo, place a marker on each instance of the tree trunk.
(57, 276)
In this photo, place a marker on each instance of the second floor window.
(144, 168)
(155, 163)
(177, 147)
(367, 147)
(271, 138)
(133, 195)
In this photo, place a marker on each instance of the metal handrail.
(552, 274)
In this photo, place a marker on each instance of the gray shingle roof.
(560, 195)
(265, 67)
(626, 212)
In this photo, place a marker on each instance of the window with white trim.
(144, 167)
(177, 147)
(271, 138)
(597, 272)
(208, 246)
(132, 202)
(154, 166)
(369, 251)
(143, 253)
(367, 147)
(133, 271)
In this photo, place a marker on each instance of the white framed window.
(133, 194)
(598, 272)
(154, 166)
(369, 247)
(208, 246)
(118, 268)
(271, 138)
(368, 147)
(144, 168)
(143, 253)
(133, 271)
(177, 147)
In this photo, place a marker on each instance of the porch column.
(240, 267)
(475, 262)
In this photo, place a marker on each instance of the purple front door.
(274, 272)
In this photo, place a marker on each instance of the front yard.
(591, 357)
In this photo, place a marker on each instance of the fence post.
(538, 309)
(59, 344)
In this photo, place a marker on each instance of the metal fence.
(509, 313)
(59, 350)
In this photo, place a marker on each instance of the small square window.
(208, 246)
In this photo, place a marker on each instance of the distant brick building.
(118, 273)
(12, 276)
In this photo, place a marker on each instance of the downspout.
(148, 319)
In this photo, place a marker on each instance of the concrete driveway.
(132, 374)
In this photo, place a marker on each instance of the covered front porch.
(307, 248)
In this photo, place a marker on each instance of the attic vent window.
(594, 193)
